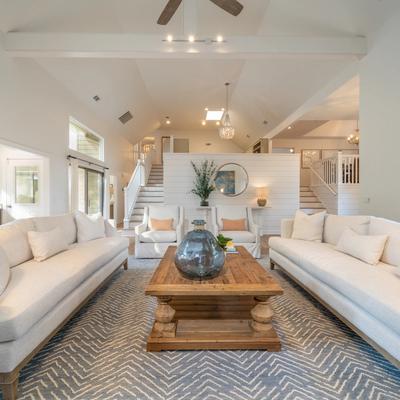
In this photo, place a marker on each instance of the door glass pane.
(27, 184)
(94, 192)
(82, 190)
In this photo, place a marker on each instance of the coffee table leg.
(163, 326)
(262, 314)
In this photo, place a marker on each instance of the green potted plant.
(203, 184)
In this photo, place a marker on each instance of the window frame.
(84, 128)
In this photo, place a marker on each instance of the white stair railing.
(335, 180)
(138, 179)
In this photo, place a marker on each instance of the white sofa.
(364, 296)
(151, 243)
(41, 296)
(250, 238)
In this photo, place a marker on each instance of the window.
(90, 191)
(84, 141)
(27, 184)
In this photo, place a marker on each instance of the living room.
(199, 199)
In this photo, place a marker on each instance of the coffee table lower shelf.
(214, 334)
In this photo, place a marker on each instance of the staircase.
(309, 202)
(151, 194)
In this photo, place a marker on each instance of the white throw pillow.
(110, 231)
(47, 244)
(89, 227)
(364, 247)
(4, 271)
(308, 227)
(14, 241)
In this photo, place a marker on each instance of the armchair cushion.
(233, 224)
(164, 212)
(158, 237)
(161, 224)
(240, 236)
(232, 213)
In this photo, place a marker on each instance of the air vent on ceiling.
(124, 118)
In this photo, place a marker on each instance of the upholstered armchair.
(249, 238)
(152, 243)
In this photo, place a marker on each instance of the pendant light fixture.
(226, 131)
(354, 138)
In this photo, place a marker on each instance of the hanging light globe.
(226, 131)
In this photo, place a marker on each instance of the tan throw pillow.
(308, 227)
(233, 224)
(364, 247)
(47, 244)
(161, 224)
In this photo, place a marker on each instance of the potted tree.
(203, 185)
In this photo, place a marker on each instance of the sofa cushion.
(35, 288)
(374, 288)
(336, 224)
(4, 271)
(14, 240)
(308, 227)
(47, 244)
(240, 236)
(89, 227)
(158, 237)
(65, 222)
(381, 226)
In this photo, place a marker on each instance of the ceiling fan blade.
(168, 11)
(231, 6)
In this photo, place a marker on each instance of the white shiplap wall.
(279, 172)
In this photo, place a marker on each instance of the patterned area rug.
(101, 354)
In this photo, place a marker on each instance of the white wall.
(379, 123)
(279, 172)
(34, 113)
(198, 140)
(312, 143)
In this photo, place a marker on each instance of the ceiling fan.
(230, 6)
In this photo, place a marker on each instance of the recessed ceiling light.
(214, 115)
(170, 38)
(191, 38)
(220, 39)
(222, 109)
(291, 150)
(218, 123)
(203, 123)
(289, 127)
(167, 120)
(206, 109)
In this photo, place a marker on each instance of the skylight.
(214, 115)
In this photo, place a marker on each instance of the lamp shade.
(262, 192)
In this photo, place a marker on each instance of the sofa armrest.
(140, 229)
(287, 228)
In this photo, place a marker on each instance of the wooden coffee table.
(231, 311)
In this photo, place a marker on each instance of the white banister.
(138, 179)
(335, 180)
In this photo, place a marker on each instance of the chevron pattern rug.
(101, 354)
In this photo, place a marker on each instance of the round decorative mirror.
(231, 179)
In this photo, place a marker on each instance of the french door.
(90, 191)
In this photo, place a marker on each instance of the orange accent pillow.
(233, 224)
(161, 224)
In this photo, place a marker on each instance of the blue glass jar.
(199, 256)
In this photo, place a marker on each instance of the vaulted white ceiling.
(267, 87)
